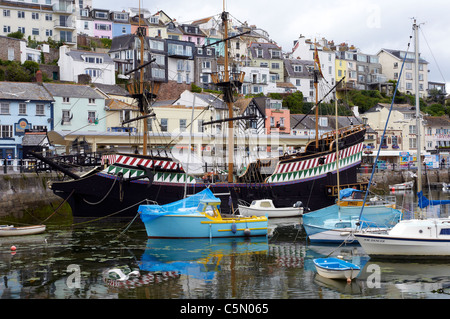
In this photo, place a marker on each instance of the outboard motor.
(298, 204)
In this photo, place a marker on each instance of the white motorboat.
(265, 207)
(10, 230)
(414, 238)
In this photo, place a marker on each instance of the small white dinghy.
(402, 186)
(10, 230)
(335, 268)
(265, 207)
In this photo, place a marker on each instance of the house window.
(6, 131)
(182, 125)
(35, 31)
(21, 29)
(35, 16)
(65, 117)
(6, 13)
(86, 25)
(275, 66)
(66, 99)
(164, 126)
(22, 108)
(21, 14)
(259, 53)
(91, 116)
(4, 108)
(298, 68)
(180, 78)
(412, 143)
(48, 17)
(6, 29)
(200, 126)
(412, 129)
(94, 73)
(91, 101)
(180, 65)
(49, 32)
(40, 109)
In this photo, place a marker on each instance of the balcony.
(63, 7)
(180, 53)
(66, 25)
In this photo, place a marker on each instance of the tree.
(294, 102)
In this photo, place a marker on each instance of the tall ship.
(124, 181)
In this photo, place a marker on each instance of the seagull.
(121, 274)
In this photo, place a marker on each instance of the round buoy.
(247, 232)
(13, 248)
(233, 228)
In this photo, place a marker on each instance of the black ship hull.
(117, 192)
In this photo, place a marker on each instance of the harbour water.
(86, 261)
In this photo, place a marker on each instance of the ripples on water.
(74, 263)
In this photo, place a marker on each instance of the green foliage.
(16, 73)
(16, 35)
(294, 102)
(106, 43)
(195, 88)
(435, 109)
(31, 66)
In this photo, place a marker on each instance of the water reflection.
(197, 258)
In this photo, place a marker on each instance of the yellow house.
(341, 71)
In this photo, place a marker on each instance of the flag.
(317, 61)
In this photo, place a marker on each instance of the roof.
(34, 138)
(112, 89)
(122, 42)
(289, 67)
(114, 104)
(212, 100)
(435, 121)
(403, 108)
(77, 55)
(265, 47)
(72, 90)
(309, 122)
(396, 53)
(24, 91)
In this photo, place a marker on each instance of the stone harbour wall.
(24, 192)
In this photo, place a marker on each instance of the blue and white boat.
(336, 224)
(335, 268)
(198, 216)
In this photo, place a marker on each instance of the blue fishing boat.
(198, 216)
(335, 268)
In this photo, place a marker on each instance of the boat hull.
(382, 246)
(333, 268)
(21, 231)
(270, 213)
(188, 226)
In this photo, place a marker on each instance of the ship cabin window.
(445, 231)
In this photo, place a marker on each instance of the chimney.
(39, 76)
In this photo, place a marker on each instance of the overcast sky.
(368, 24)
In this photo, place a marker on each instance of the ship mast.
(317, 72)
(228, 100)
(141, 34)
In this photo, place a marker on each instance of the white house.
(73, 63)
(304, 49)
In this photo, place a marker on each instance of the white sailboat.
(415, 238)
(336, 223)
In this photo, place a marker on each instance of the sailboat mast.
(418, 126)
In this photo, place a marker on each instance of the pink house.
(102, 23)
(278, 119)
(192, 33)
